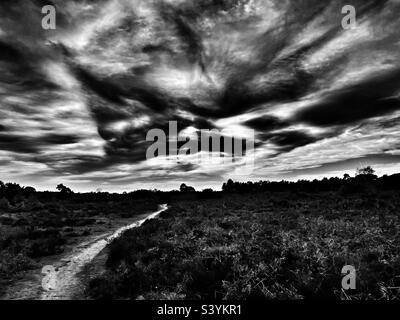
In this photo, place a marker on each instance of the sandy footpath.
(58, 280)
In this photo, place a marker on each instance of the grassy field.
(259, 246)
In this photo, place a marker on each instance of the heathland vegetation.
(34, 225)
(265, 240)
(254, 240)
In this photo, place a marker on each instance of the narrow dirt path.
(59, 281)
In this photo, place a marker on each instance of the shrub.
(4, 204)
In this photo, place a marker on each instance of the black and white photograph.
(200, 150)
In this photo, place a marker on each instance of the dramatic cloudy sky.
(77, 102)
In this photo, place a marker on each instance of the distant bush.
(45, 246)
(4, 204)
(11, 264)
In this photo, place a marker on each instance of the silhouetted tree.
(4, 204)
(29, 190)
(63, 189)
(228, 186)
(185, 189)
(11, 190)
(367, 171)
(2, 189)
(366, 175)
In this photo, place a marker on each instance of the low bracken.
(259, 246)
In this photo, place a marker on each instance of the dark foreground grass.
(260, 246)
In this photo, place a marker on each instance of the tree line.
(365, 180)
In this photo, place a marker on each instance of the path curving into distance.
(62, 283)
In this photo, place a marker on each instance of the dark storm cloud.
(130, 143)
(23, 144)
(266, 123)
(59, 139)
(191, 39)
(289, 80)
(184, 167)
(17, 144)
(102, 87)
(371, 97)
(115, 91)
(73, 164)
(18, 72)
(10, 53)
(290, 83)
(290, 140)
(272, 130)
